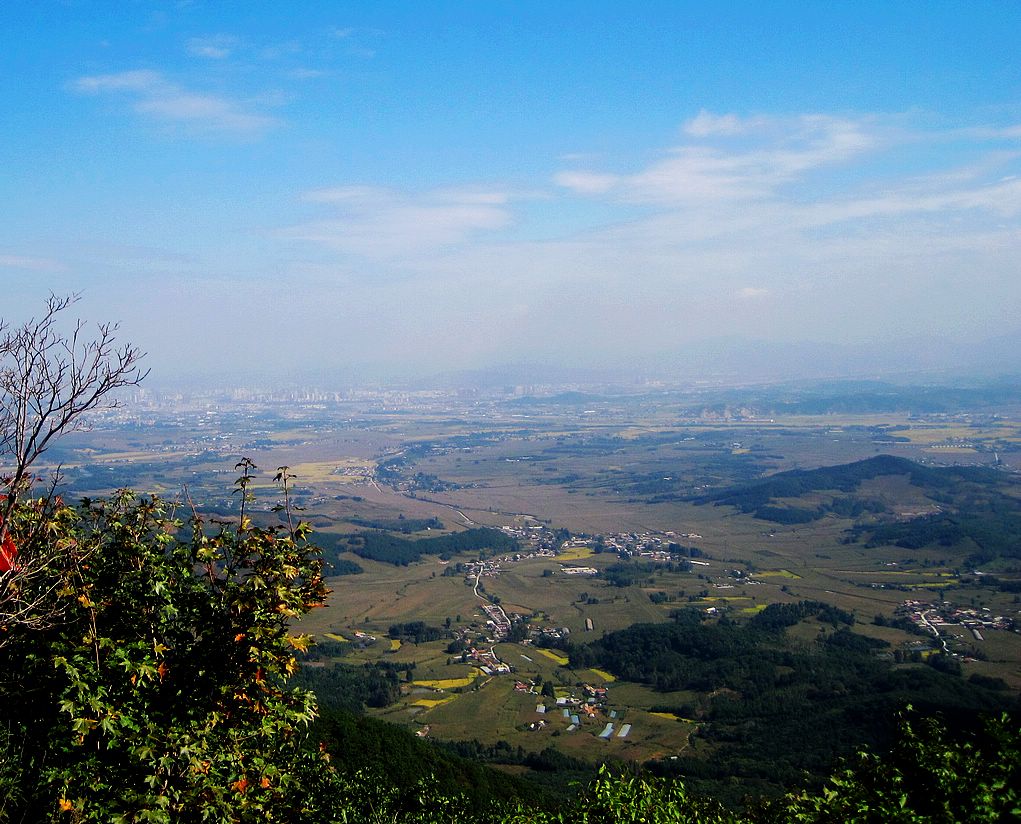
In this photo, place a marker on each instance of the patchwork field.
(626, 471)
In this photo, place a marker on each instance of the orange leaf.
(299, 642)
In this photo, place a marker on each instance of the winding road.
(935, 632)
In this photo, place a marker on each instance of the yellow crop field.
(560, 659)
(632, 432)
(125, 457)
(875, 572)
(752, 610)
(778, 573)
(575, 553)
(609, 678)
(938, 434)
(955, 450)
(335, 637)
(429, 703)
(667, 715)
(449, 683)
(395, 644)
(322, 471)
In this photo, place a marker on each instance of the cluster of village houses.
(498, 626)
(542, 542)
(577, 712)
(487, 661)
(929, 616)
(539, 541)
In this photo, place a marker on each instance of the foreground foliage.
(161, 694)
(928, 777)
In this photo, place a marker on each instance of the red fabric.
(8, 552)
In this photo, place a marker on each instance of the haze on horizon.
(412, 189)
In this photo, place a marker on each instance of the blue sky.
(408, 187)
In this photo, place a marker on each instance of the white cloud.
(706, 124)
(140, 80)
(1002, 198)
(383, 224)
(1012, 132)
(163, 100)
(815, 209)
(579, 157)
(340, 194)
(779, 151)
(587, 183)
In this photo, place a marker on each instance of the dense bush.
(160, 691)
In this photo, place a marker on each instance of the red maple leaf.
(8, 552)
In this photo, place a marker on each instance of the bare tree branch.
(49, 381)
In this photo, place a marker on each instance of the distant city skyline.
(400, 190)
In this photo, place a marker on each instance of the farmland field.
(621, 481)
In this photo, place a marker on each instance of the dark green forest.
(980, 508)
(777, 712)
(380, 546)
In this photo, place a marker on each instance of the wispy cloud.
(161, 99)
(384, 224)
(276, 51)
(217, 47)
(707, 124)
(31, 264)
(306, 74)
(355, 40)
(809, 226)
(587, 183)
(701, 171)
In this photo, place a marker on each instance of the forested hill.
(845, 478)
(976, 509)
(771, 498)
